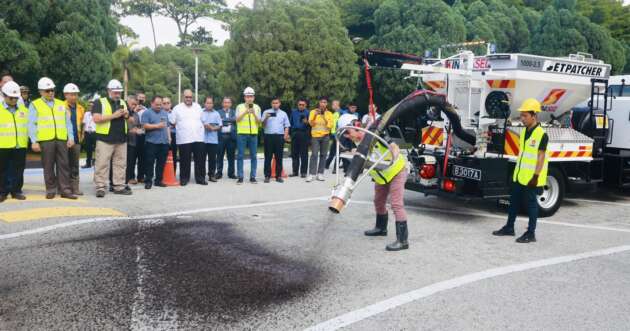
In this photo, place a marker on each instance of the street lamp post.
(179, 85)
(196, 52)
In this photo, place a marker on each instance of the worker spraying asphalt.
(386, 165)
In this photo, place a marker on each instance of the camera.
(273, 114)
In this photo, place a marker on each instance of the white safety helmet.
(11, 89)
(114, 85)
(249, 91)
(45, 83)
(70, 88)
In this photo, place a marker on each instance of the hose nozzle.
(341, 196)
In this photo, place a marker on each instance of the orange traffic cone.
(273, 169)
(168, 178)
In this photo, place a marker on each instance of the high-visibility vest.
(528, 157)
(336, 116)
(51, 122)
(14, 127)
(247, 124)
(106, 108)
(383, 177)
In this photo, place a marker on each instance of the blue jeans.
(251, 142)
(520, 192)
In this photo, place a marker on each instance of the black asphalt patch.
(208, 270)
(203, 273)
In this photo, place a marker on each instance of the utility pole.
(196, 52)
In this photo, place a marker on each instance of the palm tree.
(125, 61)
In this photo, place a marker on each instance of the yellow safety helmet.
(530, 104)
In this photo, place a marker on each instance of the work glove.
(533, 182)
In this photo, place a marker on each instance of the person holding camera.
(299, 139)
(276, 124)
(321, 121)
(157, 142)
(247, 122)
(110, 115)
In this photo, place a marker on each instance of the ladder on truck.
(615, 165)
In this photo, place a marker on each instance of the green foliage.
(291, 49)
(68, 40)
(412, 27)
(17, 57)
(156, 72)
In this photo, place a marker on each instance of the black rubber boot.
(401, 238)
(381, 227)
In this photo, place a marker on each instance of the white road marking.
(621, 204)
(163, 215)
(469, 212)
(399, 300)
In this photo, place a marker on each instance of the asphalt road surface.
(271, 257)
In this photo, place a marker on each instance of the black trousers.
(194, 150)
(299, 151)
(274, 145)
(227, 145)
(140, 156)
(332, 151)
(211, 154)
(173, 149)
(131, 163)
(12, 161)
(89, 144)
(155, 159)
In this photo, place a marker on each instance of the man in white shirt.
(89, 133)
(186, 117)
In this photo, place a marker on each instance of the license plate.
(470, 173)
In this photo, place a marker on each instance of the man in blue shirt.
(227, 139)
(300, 136)
(276, 124)
(212, 124)
(157, 141)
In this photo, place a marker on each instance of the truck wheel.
(553, 193)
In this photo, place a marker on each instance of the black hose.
(413, 106)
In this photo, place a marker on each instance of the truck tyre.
(553, 193)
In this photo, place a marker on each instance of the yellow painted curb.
(41, 213)
(40, 197)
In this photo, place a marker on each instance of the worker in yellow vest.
(387, 182)
(71, 95)
(13, 142)
(530, 172)
(248, 121)
(50, 130)
(110, 115)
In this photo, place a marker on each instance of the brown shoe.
(50, 196)
(3, 197)
(133, 182)
(77, 192)
(69, 196)
(18, 196)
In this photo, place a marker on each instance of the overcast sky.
(166, 30)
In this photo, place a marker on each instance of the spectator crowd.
(128, 141)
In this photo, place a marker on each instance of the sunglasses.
(49, 91)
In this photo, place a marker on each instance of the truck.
(586, 114)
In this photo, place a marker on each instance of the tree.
(73, 39)
(411, 27)
(186, 12)
(124, 61)
(197, 38)
(303, 52)
(143, 8)
(17, 57)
